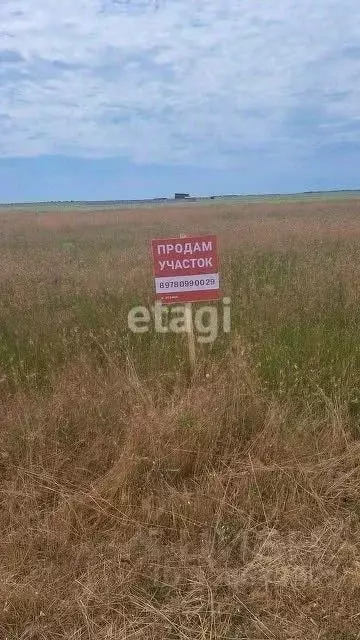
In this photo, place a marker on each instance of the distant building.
(182, 196)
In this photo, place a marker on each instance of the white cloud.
(195, 81)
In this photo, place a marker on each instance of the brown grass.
(137, 505)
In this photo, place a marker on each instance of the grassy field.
(139, 504)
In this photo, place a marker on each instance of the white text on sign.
(186, 269)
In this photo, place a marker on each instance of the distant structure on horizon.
(182, 196)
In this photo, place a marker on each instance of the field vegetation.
(140, 503)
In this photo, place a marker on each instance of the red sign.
(186, 269)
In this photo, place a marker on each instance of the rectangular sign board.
(186, 269)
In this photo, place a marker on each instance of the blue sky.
(104, 99)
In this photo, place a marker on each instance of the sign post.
(190, 330)
(190, 335)
(186, 270)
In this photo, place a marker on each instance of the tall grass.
(135, 504)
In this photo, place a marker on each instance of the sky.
(117, 99)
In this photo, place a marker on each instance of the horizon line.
(189, 198)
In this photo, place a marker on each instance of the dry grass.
(137, 505)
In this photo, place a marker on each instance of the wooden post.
(190, 335)
(189, 326)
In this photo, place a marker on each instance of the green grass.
(290, 307)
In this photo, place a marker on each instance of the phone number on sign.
(203, 282)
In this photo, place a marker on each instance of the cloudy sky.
(103, 99)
